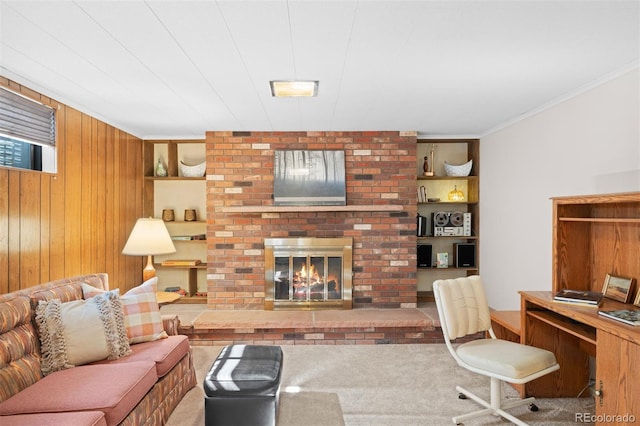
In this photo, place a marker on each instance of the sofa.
(141, 385)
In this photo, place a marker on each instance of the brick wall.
(380, 168)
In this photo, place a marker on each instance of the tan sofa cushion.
(113, 389)
(166, 353)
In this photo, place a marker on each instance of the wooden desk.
(506, 325)
(574, 333)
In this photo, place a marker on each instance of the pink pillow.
(141, 311)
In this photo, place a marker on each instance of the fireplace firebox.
(308, 273)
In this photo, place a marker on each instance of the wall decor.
(309, 178)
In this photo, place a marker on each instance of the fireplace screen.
(308, 273)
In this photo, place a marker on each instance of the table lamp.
(149, 237)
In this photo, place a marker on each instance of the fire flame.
(309, 277)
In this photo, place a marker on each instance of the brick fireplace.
(379, 216)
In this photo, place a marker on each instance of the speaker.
(464, 255)
(424, 256)
(422, 225)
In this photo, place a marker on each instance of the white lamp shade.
(149, 237)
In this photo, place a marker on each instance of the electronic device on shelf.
(451, 224)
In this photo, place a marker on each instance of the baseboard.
(426, 296)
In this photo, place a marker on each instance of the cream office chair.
(463, 310)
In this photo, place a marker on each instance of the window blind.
(26, 120)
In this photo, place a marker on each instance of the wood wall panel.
(57, 199)
(87, 216)
(14, 231)
(4, 230)
(99, 191)
(109, 200)
(29, 226)
(73, 189)
(77, 220)
(45, 228)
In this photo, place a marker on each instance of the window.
(27, 133)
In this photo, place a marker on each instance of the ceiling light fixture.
(297, 88)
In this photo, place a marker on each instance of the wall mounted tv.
(309, 178)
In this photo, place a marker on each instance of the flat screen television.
(309, 178)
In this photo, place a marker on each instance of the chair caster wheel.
(533, 407)
(462, 396)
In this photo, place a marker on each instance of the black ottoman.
(242, 386)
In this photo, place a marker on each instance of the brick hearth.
(381, 170)
(354, 327)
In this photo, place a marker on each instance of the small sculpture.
(428, 166)
(161, 171)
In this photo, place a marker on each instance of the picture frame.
(636, 301)
(442, 260)
(618, 288)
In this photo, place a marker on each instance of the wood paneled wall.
(77, 220)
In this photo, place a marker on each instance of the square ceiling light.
(297, 88)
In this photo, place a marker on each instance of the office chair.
(463, 310)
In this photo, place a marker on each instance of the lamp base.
(149, 271)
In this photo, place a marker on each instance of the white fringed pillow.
(81, 331)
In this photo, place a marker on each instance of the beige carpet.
(376, 385)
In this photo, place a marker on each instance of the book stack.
(627, 316)
(189, 237)
(422, 194)
(579, 297)
(181, 262)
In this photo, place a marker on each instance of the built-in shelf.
(474, 178)
(600, 219)
(448, 202)
(575, 328)
(305, 209)
(452, 237)
(198, 266)
(182, 178)
(450, 267)
(178, 193)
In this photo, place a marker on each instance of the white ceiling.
(175, 69)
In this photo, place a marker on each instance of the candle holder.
(190, 215)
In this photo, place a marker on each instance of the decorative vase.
(161, 171)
